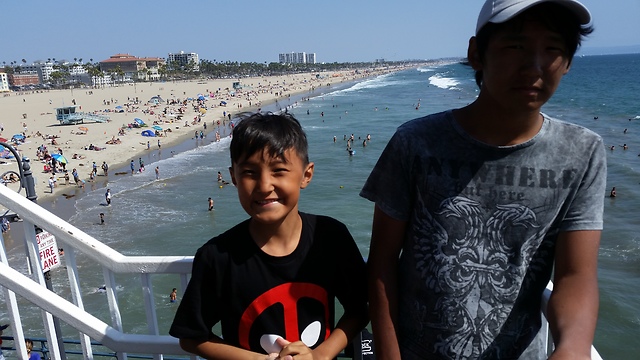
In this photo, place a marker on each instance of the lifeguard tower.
(68, 115)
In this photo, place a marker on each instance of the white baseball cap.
(499, 11)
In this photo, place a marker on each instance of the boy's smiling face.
(269, 187)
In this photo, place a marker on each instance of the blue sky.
(258, 30)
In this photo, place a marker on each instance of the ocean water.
(169, 216)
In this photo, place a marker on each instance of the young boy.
(477, 207)
(271, 280)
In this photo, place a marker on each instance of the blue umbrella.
(18, 136)
(139, 121)
(156, 127)
(148, 133)
(59, 158)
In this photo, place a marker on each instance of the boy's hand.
(297, 349)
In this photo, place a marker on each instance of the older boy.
(272, 279)
(477, 207)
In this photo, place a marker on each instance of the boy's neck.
(494, 126)
(277, 239)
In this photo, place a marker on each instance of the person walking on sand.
(133, 167)
(159, 144)
(52, 183)
(107, 196)
(105, 168)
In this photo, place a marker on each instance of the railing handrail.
(88, 245)
(84, 321)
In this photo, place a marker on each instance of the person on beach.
(210, 201)
(107, 197)
(277, 261)
(101, 218)
(159, 144)
(157, 173)
(105, 168)
(477, 208)
(52, 183)
(133, 167)
(76, 178)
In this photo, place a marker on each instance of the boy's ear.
(307, 175)
(233, 178)
(472, 54)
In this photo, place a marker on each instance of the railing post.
(28, 183)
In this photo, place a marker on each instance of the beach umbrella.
(18, 136)
(59, 158)
(148, 133)
(119, 107)
(203, 110)
(83, 128)
(156, 127)
(139, 121)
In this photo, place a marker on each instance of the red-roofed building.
(133, 67)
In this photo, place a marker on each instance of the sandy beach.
(115, 141)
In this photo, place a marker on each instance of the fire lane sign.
(48, 249)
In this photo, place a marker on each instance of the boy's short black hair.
(555, 17)
(275, 133)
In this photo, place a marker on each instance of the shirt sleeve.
(198, 312)
(389, 184)
(586, 210)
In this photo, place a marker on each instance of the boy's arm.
(386, 243)
(216, 349)
(573, 306)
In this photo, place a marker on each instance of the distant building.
(24, 78)
(185, 60)
(4, 82)
(134, 68)
(297, 58)
(43, 69)
(311, 58)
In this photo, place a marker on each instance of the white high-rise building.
(297, 58)
(183, 59)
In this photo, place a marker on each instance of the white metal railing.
(112, 262)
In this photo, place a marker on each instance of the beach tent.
(156, 100)
(148, 133)
(139, 121)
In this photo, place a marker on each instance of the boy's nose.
(265, 183)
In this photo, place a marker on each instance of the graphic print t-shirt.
(482, 225)
(257, 297)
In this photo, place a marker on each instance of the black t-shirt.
(254, 295)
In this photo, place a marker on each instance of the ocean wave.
(444, 82)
